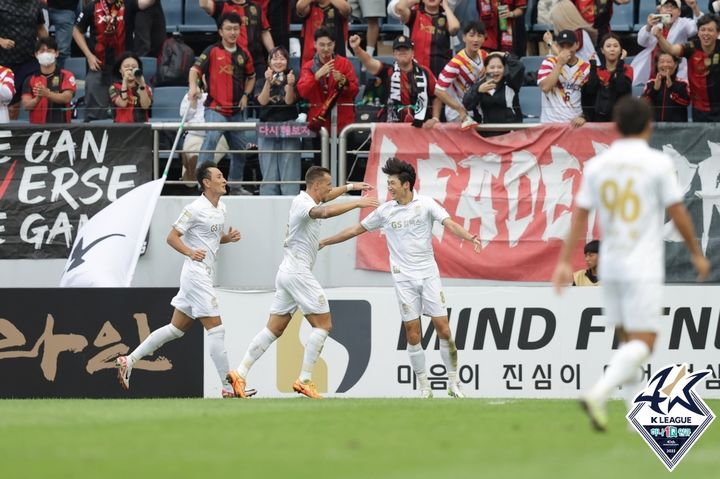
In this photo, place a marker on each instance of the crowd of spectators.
(442, 69)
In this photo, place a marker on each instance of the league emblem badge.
(669, 414)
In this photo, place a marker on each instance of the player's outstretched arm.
(341, 190)
(678, 213)
(329, 211)
(173, 239)
(563, 271)
(231, 236)
(344, 235)
(462, 233)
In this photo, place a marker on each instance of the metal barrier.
(343, 140)
(245, 126)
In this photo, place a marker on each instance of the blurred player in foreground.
(631, 185)
(407, 222)
(295, 284)
(197, 234)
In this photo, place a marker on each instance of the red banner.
(515, 191)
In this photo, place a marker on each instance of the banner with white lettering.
(52, 179)
(516, 191)
(512, 342)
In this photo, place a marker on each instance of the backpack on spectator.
(173, 63)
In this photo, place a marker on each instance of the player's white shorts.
(196, 297)
(293, 290)
(633, 305)
(420, 296)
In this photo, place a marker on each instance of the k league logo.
(669, 415)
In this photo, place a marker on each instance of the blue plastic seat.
(149, 67)
(78, 66)
(623, 19)
(646, 8)
(166, 103)
(196, 20)
(173, 11)
(531, 103)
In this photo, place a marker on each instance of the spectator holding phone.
(131, 96)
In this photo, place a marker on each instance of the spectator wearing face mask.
(47, 94)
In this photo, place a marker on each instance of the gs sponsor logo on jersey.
(396, 225)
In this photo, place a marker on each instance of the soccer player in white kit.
(295, 285)
(197, 234)
(407, 222)
(631, 186)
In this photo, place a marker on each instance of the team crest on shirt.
(240, 60)
(405, 308)
(441, 22)
(669, 415)
(253, 10)
(331, 13)
(214, 302)
(322, 299)
(418, 209)
(442, 297)
(55, 81)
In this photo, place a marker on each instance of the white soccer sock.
(448, 353)
(417, 361)
(622, 368)
(257, 348)
(216, 347)
(313, 347)
(153, 342)
(631, 388)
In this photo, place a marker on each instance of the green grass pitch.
(331, 438)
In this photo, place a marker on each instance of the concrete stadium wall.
(249, 264)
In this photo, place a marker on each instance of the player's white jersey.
(202, 226)
(302, 238)
(408, 229)
(630, 185)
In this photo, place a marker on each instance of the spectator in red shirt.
(332, 15)
(254, 35)
(504, 27)
(408, 87)
(598, 13)
(328, 80)
(47, 95)
(230, 78)
(703, 56)
(106, 42)
(431, 24)
(131, 96)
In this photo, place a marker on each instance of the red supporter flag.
(514, 191)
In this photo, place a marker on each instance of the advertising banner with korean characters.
(62, 343)
(513, 342)
(516, 192)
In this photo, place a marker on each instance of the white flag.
(107, 248)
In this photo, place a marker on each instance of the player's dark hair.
(48, 42)
(323, 32)
(315, 173)
(477, 27)
(230, 17)
(404, 171)
(203, 173)
(632, 115)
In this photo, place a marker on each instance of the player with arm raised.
(197, 234)
(631, 186)
(407, 222)
(295, 284)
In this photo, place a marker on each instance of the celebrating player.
(295, 284)
(407, 222)
(631, 185)
(197, 235)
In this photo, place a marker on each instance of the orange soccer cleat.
(306, 389)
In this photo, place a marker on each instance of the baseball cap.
(592, 247)
(674, 2)
(566, 36)
(402, 42)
